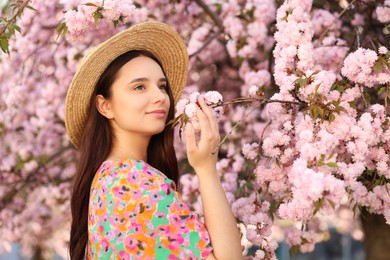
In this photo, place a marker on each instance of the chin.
(157, 131)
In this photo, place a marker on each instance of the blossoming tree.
(305, 90)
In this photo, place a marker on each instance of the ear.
(104, 107)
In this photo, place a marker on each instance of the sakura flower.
(383, 12)
(250, 151)
(212, 97)
(382, 50)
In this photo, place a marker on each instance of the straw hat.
(156, 37)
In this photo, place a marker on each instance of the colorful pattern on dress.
(135, 212)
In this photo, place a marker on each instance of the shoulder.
(128, 174)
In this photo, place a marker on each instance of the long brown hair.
(95, 146)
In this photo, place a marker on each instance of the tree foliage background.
(306, 86)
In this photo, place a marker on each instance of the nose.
(159, 95)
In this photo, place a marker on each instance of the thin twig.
(362, 93)
(13, 19)
(209, 40)
(387, 96)
(213, 15)
(231, 131)
(262, 134)
(261, 141)
(9, 196)
(254, 99)
(341, 14)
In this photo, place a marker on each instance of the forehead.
(141, 67)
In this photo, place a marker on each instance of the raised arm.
(219, 219)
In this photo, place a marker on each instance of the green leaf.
(30, 7)
(4, 45)
(249, 185)
(218, 7)
(332, 204)
(16, 27)
(388, 94)
(378, 66)
(97, 16)
(250, 14)
(19, 165)
(381, 90)
(90, 4)
(318, 112)
(14, 7)
(337, 87)
(388, 54)
(316, 89)
(367, 98)
(332, 164)
(294, 250)
(322, 112)
(353, 104)
(277, 163)
(11, 30)
(315, 73)
(317, 205)
(331, 156)
(304, 82)
(61, 29)
(332, 117)
(137, 5)
(115, 23)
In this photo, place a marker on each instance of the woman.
(124, 201)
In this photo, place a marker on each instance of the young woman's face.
(139, 101)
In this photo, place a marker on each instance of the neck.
(129, 146)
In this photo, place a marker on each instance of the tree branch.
(209, 40)
(13, 19)
(338, 17)
(213, 15)
(8, 197)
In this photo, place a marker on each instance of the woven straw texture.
(158, 38)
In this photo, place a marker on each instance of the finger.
(211, 119)
(205, 128)
(190, 138)
(210, 115)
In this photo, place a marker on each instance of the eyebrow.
(146, 79)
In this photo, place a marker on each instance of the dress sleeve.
(135, 212)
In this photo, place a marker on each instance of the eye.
(139, 87)
(163, 87)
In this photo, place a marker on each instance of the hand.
(204, 153)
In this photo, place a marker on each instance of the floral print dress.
(135, 212)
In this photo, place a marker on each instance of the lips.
(157, 112)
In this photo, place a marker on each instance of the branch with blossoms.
(8, 26)
(21, 184)
(87, 16)
(186, 108)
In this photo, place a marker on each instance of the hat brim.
(158, 38)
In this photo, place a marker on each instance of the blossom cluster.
(365, 66)
(323, 141)
(88, 13)
(188, 107)
(383, 12)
